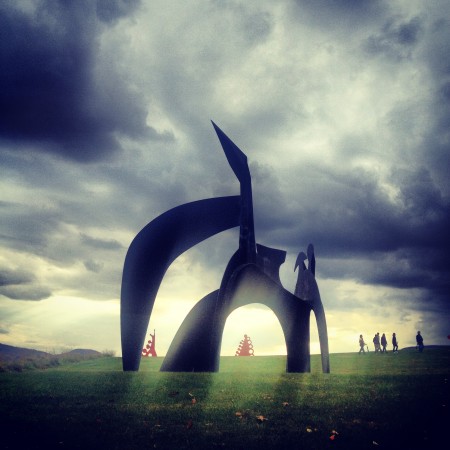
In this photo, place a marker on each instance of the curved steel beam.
(150, 254)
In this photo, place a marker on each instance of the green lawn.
(371, 401)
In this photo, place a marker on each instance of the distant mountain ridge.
(9, 352)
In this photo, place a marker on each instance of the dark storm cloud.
(11, 277)
(21, 285)
(361, 233)
(189, 70)
(105, 244)
(396, 39)
(344, 210)
(401, 269)
(93, 266)
(27, 227)
(436, 54)
(51, 94)
(350, 14)
(25, 292)
(405, 269)
(112, 10)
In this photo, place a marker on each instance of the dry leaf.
(261, 418)
(309, 430)
(238, 414)
(285, 403)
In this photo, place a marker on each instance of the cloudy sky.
(343, 110)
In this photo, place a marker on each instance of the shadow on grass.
(399, 403)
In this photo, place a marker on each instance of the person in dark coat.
(394, 343)
(383, 343)
(362, 344)
(376, 342)
(419, 341)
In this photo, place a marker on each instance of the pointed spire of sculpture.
(237, 159)
(301, 258)
(238, 162)
(311, 259)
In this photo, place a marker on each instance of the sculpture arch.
(252, 275)
(261, 326)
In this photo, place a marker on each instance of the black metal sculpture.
(251, 276)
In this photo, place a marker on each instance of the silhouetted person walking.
(376, 342)
(394, 343)
(383, 343)
(362, 344)
(419, 340)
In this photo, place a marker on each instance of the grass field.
(371, 401)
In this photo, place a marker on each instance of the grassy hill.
(18, 359)
(10, 352)
(369, 401)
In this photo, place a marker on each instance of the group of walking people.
(380, 344)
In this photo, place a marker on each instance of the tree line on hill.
(18, 359)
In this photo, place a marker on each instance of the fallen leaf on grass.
(309, 430)
(194, 401)
(261, 418)
(334, 435)
(238, 414)
(285, 404)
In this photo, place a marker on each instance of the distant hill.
(81, 352)
(9, 352)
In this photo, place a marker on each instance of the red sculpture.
(245, 347)
(149, 349)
